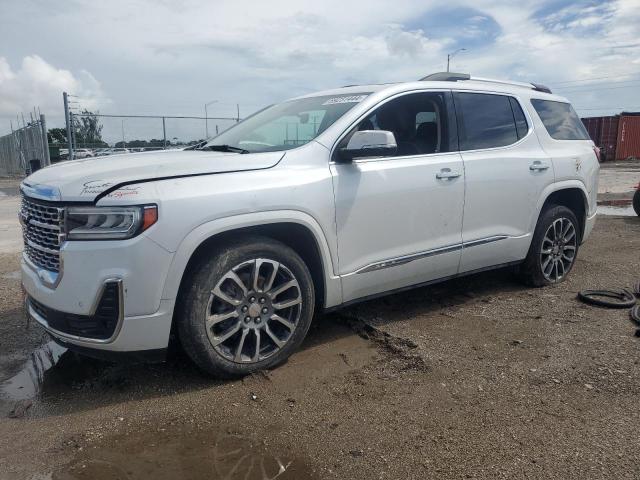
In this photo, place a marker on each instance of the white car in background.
(83, 153)
(115, 151)
(314, 203)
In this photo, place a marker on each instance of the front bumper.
(139, 267)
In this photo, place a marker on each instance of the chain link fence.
(24, 150)
(95, 134)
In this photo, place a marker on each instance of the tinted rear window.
(487, 121)
(560, 120)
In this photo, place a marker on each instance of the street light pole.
(451, 55)
(206, 118)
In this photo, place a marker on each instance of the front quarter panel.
(297, 190)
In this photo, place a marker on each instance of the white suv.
(313, 203)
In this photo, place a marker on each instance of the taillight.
(596, 150)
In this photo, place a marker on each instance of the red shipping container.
(628, 137)
(604, 133)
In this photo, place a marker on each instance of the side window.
(487, 120)
(419, 122)
(518, 115)
(560, 120)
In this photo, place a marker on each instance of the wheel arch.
(572, 195)
(295, 229)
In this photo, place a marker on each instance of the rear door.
(567, 142)
(399, 218)
(506, 171)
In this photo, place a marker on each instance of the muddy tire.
(553, 249)
(636, 202)
(247, 307)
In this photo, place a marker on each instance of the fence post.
(164, 134)
(46, 159)
(67, 119)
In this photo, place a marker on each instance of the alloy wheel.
(558, 250)
(253, 310)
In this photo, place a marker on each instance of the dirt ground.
(478, 377)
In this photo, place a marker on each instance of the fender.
(186, 248)
(555, 187)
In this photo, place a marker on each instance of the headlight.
(108, 223)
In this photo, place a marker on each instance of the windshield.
(286, 125)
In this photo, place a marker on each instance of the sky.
(170, 57)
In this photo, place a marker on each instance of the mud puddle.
(26, 384)
(185, 455)
(56, 381)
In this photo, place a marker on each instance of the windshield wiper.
(226, 148)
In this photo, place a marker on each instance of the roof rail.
(455, 77)
(446, 77)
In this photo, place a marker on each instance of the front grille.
(42, 226)
(100, 326)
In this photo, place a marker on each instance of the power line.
(597, 85)
(562, 82)
(588, 90)
(607, 108)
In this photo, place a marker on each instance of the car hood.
(86, 179)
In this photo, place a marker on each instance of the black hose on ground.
(619, 298)
(634, 313)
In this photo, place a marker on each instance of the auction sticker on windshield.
(349, 99)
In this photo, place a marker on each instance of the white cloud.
(36, 83)
(170, 57)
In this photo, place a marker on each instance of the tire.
(242, 318)
(534, 271)
(636, 202)
(619, 298)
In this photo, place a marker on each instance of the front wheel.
(248, 307)
(553, 249)
(636, 202)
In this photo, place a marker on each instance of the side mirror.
(369, 143)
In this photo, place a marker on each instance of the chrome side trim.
(33, 314)
(394, 262)
(48, 279)
(482, 241)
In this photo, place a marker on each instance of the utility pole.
(67, 120)
(451, 55)
(164, 134)
(238, 111)
(206, 118)
(46, 160)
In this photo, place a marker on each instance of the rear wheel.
(636, 202)
(248, 307)
(553, 249)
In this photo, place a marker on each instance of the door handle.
(538, 166)
(446, 173)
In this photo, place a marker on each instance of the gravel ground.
(474, 378)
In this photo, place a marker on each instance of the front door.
(399, 218)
